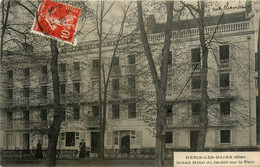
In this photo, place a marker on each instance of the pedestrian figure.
(82, 147)
(38, 154)
(87, 152)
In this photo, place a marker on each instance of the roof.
(209, 21)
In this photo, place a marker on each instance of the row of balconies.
(223, 65)
(193, 94)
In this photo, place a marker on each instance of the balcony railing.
(93, 122)
(76, 97)
(63, 77)
(224, 64)
(159, 37)
(116, 71)
(9, 82)
(130, 69)
(44, 79)
(195, 66)
(115, 94)
(25, 101)
(227, 92)
(75, 75)
(94, 72)
(26, 80)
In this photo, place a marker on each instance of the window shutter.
(217, 81)
(138, 141)
(175, 138)
(109, 112)
(232, 80)
(217, 137)
(233, 137)
(256, 61)
(109, 140)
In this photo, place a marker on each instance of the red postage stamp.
(56, 20)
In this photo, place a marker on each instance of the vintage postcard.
(130, 83)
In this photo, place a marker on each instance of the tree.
(159, 83)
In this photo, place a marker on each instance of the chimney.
(151, 24)
(248, 8)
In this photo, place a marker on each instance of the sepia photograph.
(126, 83)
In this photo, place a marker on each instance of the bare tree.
(159, 81)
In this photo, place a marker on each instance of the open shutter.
(138, 138)
(217, 137)
(233, 137)
(109, 140)
(232, 80)
(175, 138)
(256, 61)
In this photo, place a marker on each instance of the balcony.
(130, 69)
(76, 97)
(9, 125)
(9, 82)
(63, 77)
(116, 71)
(26, 80)
(94, 72)
(196, 66)
(227, 92)
(195, 93)
(25, 101)
(43, 79)
(75, 75)
(224, 64)
(115, 94)
(93, 122)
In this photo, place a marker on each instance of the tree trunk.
(159, 83)
(57, 117)
(4, 24)
(160, 128)
(204, 83)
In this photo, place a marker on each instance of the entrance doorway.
(125, 142)
(95, 142)
(26, 141)
(193, 140)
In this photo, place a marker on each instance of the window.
(224, 52)
(70, 138)
(195, 108)
(195, 55)
(63, 113)
(44, 70)
(225, 136)
(131, 83)
(169, 111)
(95, 63)
(224, 80)
(257, 121)
(26, 116)
(225, 108)
(76, 112)
(63, 68)
(44, 90)
(26, 92)
(256, 62)
(115, 62)
(115, 84)
(26, 72)
(44, 115)
(76, 87)
(76, 66)
(131, 59)
(132, 110)
(115, 111)
(95, 111)
(10, 74)
(9, 117)
(10, 94)
(170, 58)
(62, 89)
(195, 82)
(116, 138)
(168, 137)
